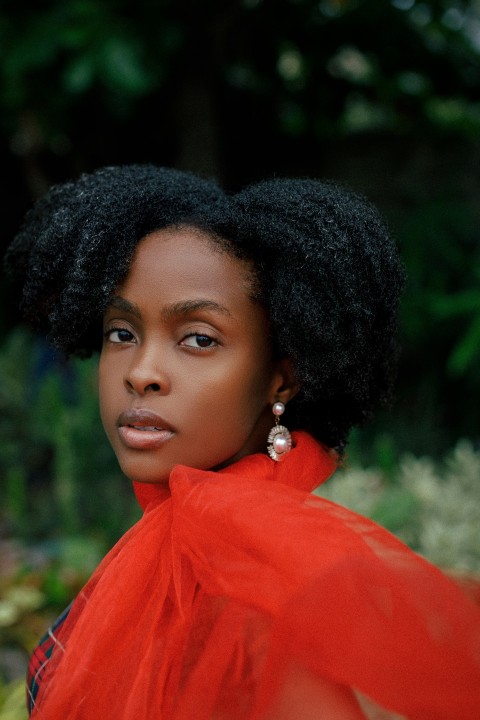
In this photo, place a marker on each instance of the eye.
(199, 341)
(118, 335)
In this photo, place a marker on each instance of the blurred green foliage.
(432, 505)
(424, 67)
(237, 86)
(12, 701)
(59, 475)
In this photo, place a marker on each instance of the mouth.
(145, 428)
(142, 429)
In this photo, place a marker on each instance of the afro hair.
(328, 271)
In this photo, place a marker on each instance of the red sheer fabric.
(240, 595)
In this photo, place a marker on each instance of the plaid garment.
(40, 657)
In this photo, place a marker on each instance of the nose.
(146, 373)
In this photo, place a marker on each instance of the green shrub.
(433, 506)
(59, 474)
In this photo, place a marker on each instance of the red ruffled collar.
(318, 465)
(242, 594)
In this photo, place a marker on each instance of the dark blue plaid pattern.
(40, 657)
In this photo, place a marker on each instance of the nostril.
(153, 386)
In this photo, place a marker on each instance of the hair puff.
(328, 273)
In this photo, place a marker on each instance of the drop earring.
(279, 438)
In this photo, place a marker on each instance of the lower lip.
(143, 439)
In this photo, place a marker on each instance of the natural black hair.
(328, 272)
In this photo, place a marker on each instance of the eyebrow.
(122, 304)
(183, 307)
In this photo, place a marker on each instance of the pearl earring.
(279, 438)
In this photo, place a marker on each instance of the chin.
(136, 473)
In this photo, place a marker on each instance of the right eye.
(118, 335)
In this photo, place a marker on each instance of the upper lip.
(138, 417)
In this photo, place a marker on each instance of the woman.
(238, 594)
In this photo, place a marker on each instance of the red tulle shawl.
(240, 595)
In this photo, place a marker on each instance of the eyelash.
(199, 335)
(108, 333)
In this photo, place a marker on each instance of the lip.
(142, 429)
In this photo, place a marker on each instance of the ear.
(284, 384)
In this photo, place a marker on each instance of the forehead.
(172, 264)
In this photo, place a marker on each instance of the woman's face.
(186, 374)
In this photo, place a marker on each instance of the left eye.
(198, 340)
(118, 335)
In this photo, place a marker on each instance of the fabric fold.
(239, 594)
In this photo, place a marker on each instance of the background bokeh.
(383, 95)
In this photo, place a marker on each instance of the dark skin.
(186, 372)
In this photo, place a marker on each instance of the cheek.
(239, 394)
(107, 394)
